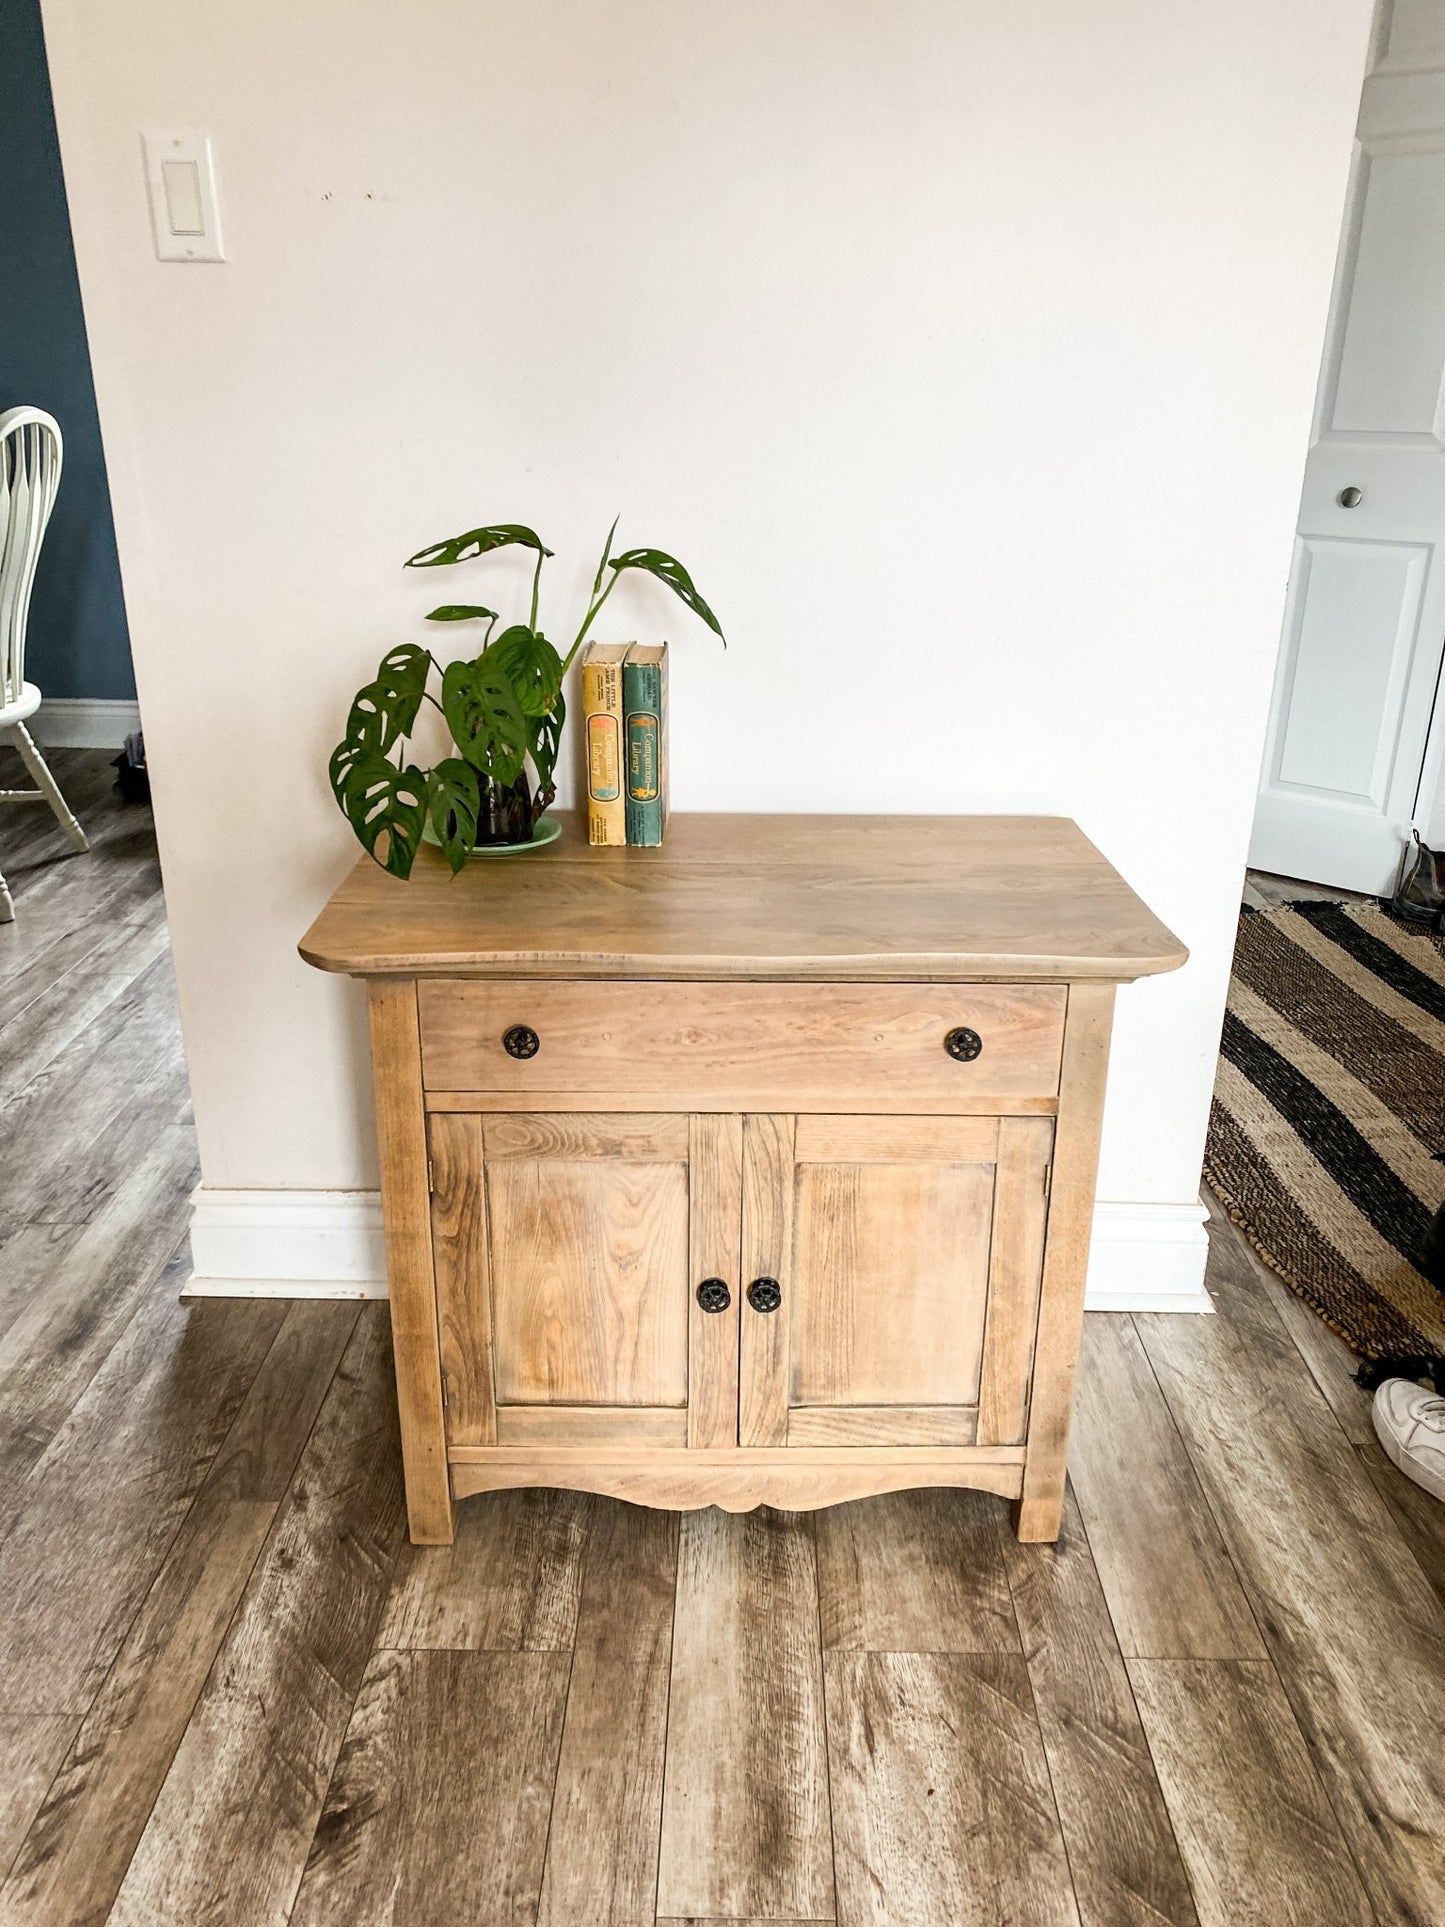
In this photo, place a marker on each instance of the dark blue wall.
(78, 642)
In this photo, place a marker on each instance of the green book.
(644, 724)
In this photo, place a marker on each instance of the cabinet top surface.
(875, 898)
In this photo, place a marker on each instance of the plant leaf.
(405, 668)
(545, 739)
(345, 758)
(379, 715)
(462, 548)
(487, 724)
(453, 803)
(458, 611)
(387, 708)
(379, 800)
(671, 571)
(606, 551)
(668, 569)
(531, 665)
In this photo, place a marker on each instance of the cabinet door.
(906, 1255)
(565, 1246)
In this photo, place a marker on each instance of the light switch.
(183, 197)
(181, 180)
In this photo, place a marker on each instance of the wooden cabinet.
(693, 1211)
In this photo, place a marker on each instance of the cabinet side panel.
(1066, 1256)
(464, 1296)
(406, 1205)
(1019, 1217)
(714, 1236)
(767, 1253)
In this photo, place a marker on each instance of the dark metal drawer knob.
(521, 1041)
(963, 1044)
(713, 1295)
(765, 1294)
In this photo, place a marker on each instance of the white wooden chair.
(30, 457)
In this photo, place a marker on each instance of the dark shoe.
(1432, 1252)
(1418, 896)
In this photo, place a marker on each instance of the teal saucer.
(546, 830)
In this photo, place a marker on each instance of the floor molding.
(286, 1244)
(1148, 1257)
(84, 722)
(329, 1244)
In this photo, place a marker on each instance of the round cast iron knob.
(713, 1295)
(1351, 497)
(521, 1041)
(963, 1044)
(765, 1294)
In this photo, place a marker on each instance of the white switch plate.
(181, 182)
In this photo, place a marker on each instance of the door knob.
(713, 1295)
(963, 1044)
(521, 1041)
(1351, 497)
(765, 1294)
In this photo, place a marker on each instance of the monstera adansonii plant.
(504, 707)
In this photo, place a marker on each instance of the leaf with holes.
(668, 569)
(460, 612)
(405, 668)
(342, 768)
(487, 724)
(463, 548)
(544, 742)
(378, 717)
(453, 803)
(381, 801)
(531, 665)
(387, 708)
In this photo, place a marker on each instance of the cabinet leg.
(1066, 1259)
(429, 1511)
(1037, 1517)
(406, 1206)
(423, 1432)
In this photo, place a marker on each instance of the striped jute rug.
(1327, 1134)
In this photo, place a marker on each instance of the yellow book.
(602, 719)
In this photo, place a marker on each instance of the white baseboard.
(286, 1244)
(1148, 1257)
(329, 1244)
(84, 722)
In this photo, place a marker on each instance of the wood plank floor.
(231, 1693)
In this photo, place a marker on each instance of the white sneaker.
(1410, 1424)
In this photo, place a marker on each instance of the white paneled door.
(1357, 737)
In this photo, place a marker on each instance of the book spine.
(644, 699)
(602, 713)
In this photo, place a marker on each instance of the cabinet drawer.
(867, 1047)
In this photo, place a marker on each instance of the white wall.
(964, 351)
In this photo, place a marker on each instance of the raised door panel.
(563, 1269)
(907, 1253)
(589, 1283)
(890, 1273)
